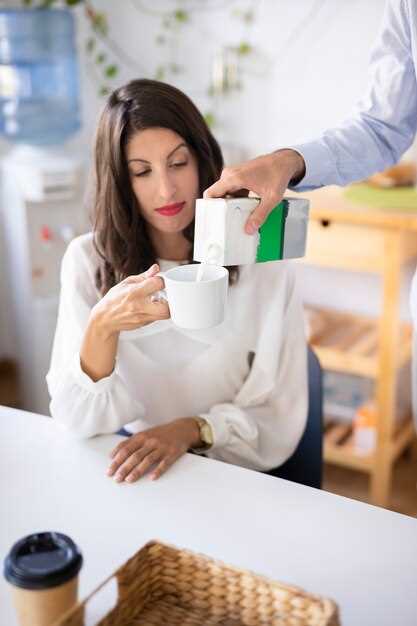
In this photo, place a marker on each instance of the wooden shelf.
(339, 446)
(359, 238)
(348, 343)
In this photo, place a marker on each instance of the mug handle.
(161, 295)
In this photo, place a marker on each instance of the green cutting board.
(401, 198)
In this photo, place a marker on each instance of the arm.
(124, 307)
(385, 121)
(85, 405)
(375, 137)
(262, 427)
(98, 349)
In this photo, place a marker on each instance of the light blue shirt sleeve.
(384, 123)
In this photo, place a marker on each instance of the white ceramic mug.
(195, 305)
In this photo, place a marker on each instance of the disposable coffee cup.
(42, 570)
(194, 304)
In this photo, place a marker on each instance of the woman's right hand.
(128, 305)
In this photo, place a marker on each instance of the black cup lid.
(42, 560)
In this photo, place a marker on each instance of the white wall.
(308, 69)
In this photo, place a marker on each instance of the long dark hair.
(121, 237)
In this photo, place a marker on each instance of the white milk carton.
(220, 238)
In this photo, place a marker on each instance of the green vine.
(107, 56)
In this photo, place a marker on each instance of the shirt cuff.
(220, 430)
(100, 386)
(320, 165)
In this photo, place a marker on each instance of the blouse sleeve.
(85, 407)
(262, 427)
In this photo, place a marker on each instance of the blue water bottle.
(38, 76)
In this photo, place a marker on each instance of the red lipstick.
(171, 209)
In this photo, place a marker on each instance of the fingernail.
(151, 270)
(129, 479)
(251, 228)
(118, 478)
(109, 471)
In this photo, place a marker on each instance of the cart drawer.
(346, 246)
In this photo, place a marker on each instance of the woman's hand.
(160, 446)
(125, 306)
(128, 305)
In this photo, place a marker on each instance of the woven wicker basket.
(164, 586)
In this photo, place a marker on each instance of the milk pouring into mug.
(220, 238)
(197, 295)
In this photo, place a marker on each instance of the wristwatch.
(206, 434)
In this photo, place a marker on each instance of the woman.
(236, 392)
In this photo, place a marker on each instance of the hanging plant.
(106, 56)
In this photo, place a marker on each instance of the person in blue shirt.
(380, 130)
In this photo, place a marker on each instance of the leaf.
(72, 3)
(100, 58)
(111, 70)
(90, 44)
(210, 119)
(100, 23)
(181, 16)
(160, 73)
(175, 68)
(244, 48)
(246, 16)
(104, 90)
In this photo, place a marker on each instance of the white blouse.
(246, 377)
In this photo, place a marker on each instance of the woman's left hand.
(160, 446)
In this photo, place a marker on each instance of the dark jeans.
(124, 433)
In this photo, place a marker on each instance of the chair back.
(305, 466)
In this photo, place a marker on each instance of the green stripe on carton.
(272, 233)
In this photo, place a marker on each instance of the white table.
(363, 557)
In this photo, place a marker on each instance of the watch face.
(206, 434)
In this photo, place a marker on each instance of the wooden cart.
(353, 237)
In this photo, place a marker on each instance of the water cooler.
(42, 182)
(42, 211)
